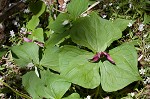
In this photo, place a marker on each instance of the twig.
(59, 10)
(15, 91)
(93, 5)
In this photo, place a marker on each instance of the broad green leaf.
(37, 34)
(122, 23)
(56, 85)
(26, 53)
(66, 55)
(21, 59)
(73, 96)
(56, 37)
(50, 21)
(51, 58)
(48, 86)
(94, 32)
(57, 26)
(37, 8)
(115, 77)
(76, 68)
(77, 7)
(28, 81)
(33, 23)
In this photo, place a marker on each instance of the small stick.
(59, 10)
(93, 5)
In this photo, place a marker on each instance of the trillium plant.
(89, 61)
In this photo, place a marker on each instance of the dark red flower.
(99, 55)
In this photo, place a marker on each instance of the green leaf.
(76, 68)
(56, 37)
(37, 34)
(26, 53)
(122, 23)
(73, 96)
(28, 81)
(115, 77)
(33, 23)
(37, 8)
(50, 21)
(77, 7)
(146, 19)
(2, 52)
(94, 32)
(51, 58)
(48, 86)
(57, 26)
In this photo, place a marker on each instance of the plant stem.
(97, 92)
(15, 91)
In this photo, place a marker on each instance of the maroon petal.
(95, 58)
(100, 55)
(39, 43)
(26, 39)
(108, 57)
(29, 32)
